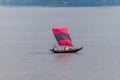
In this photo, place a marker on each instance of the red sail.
(62, 36)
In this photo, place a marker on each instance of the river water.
(25, 39)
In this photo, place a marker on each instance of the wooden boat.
(63, 38)
(67, 51)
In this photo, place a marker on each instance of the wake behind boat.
(63, 38)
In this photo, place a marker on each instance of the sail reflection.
(63, 62)
(63, 57)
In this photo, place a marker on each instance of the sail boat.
(63, 38)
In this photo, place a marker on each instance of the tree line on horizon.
(60, 2)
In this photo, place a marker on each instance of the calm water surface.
(25, 39)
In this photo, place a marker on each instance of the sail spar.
(62, 36)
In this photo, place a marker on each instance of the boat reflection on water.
(63, 61)
(63, 57)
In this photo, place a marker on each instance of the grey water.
(25, 39)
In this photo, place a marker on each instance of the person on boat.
(66, 48)
(54, 47)
(71, 48)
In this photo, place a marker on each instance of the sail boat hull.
(67, 51)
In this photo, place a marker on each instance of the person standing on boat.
(66, 48)
(54, 47)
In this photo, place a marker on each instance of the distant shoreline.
(57, 6)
